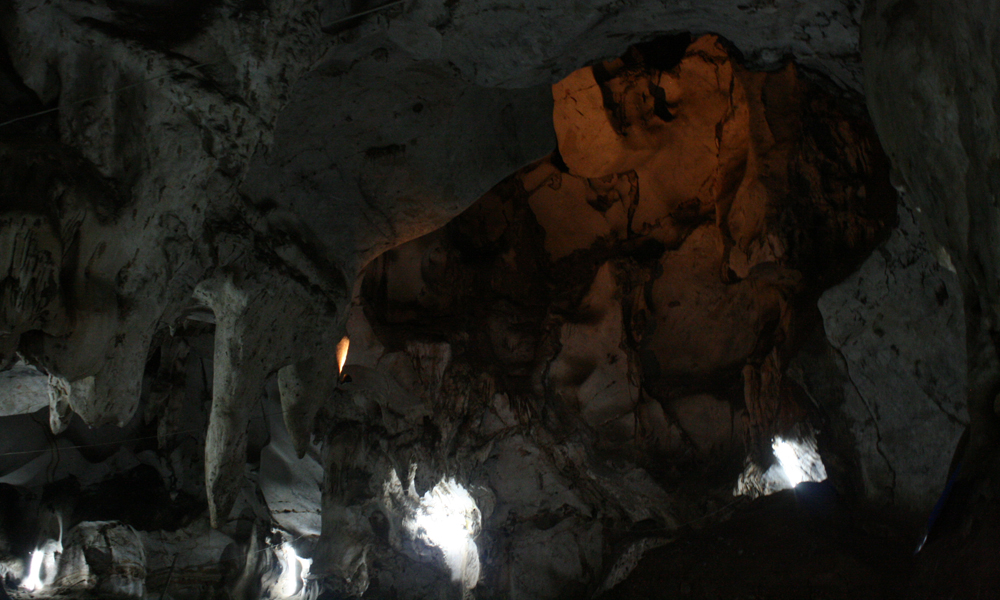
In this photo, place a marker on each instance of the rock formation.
(592, 260)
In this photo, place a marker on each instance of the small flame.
(342, 348)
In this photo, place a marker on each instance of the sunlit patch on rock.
(796, 459)
(293, 581)
(446, 518)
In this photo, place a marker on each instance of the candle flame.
(342, 348)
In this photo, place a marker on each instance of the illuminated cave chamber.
(648, 283)
(264, 341)
(617, 320)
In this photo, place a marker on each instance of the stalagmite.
(259, 328)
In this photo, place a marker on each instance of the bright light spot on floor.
(294, 570)
(447, 518)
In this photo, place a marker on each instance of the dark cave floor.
(781, 548)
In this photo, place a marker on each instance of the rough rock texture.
(106, 557)
(940, 130)
(291, 485)
(594, 347)
(23, 389)
(440, 142)
(897, 327)
(568, 327)
(173, 148)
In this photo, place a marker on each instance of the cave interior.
(482, 299)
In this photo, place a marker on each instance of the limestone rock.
(573, 336)
(564, 329)
(440, 143)
(105, 557)
(939, 128)
(23, 389)
(905, 366)
(256, 334)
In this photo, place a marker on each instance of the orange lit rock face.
(676, 136)
(651, 278)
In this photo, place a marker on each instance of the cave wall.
(177, 123)
(207, 222)
(939, 129)
(594, 313)
(891, 375)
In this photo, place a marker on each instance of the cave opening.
(628, 334)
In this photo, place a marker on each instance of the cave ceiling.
(291, 290)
